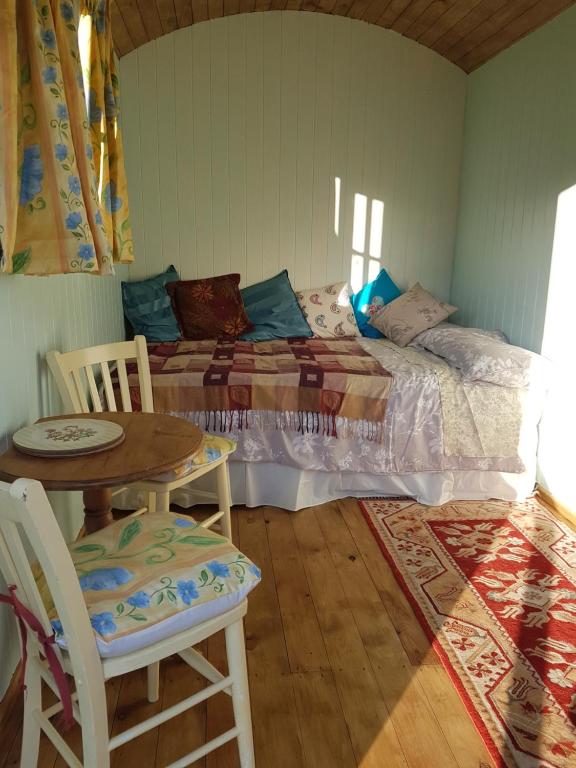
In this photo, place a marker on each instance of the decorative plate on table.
(59, 438)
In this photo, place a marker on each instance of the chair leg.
(31, 729)
(224, 499)
(163, 501)
(153, 673)
(151, 502)
(236, 653)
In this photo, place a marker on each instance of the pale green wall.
(519, 155)
(256, 116)
(38, 314)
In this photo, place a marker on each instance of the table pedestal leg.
(97, 509)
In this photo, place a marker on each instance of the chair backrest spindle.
(79, 396)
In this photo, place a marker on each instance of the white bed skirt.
(280, 486)
(256, 484)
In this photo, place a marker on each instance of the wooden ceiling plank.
(410, 14)
(431, 14)
(130, 12)
(199, 10)
(335, 7)
(489, 27)
(151, 19)
(532, 19)
(358, 9)
(231, 7)
(453, 15)
(473, 19)
(167, 13)
(375, 10)
(184, 14)
(215, 9)
(122, 40)
(391, 13)
(247, 6)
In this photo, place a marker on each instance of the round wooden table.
(154, 443)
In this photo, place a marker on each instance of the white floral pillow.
(410, 314)
(328, 311)
(485, 356)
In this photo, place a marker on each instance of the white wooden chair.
(25, 509)
(74, 375)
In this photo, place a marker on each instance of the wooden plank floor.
(341, 674)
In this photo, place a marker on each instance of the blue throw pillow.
(148, 309)
(274, 311)
(382, 290)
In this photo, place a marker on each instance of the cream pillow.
(410, 314)
(328, 311)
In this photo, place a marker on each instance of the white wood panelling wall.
(38, 314)
(519, 156)
(235, 130)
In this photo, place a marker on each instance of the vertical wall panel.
(519, 157)
(268, 110)
(38, 314)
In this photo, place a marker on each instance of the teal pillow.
(382, 290)
(274, 311)
(148, 309)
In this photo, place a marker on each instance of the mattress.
(442, 440)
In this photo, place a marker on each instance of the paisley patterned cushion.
(211, 448)
(150, 577)
(329, 311)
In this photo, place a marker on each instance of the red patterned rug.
(494, 586)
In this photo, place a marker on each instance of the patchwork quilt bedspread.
(330, 387)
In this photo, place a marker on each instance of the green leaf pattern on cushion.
(174, 564)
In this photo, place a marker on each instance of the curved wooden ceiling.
(467, 32)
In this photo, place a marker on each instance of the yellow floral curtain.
(63, 191)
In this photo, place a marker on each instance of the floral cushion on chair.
(212, 448)
(153, 576)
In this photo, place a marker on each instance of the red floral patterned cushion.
(211, 308)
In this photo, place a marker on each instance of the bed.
(398, 421)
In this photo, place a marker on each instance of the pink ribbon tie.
(25, 617)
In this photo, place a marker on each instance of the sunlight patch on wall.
(366, 218)
(558, 427)
(337, 185)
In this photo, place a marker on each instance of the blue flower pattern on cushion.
(73, 220)
(61, 152)
(182, 522)
(187, 591)
(86, 252)
(105, 578)
(218, 569)
(139, 600)
(255, 571)
(212, 453)
(57, 627)
(32, 174)
(98, 218)
(49, 75)
(103, 623)
(89, 151)
(61, 112)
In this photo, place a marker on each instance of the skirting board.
(555, 506)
